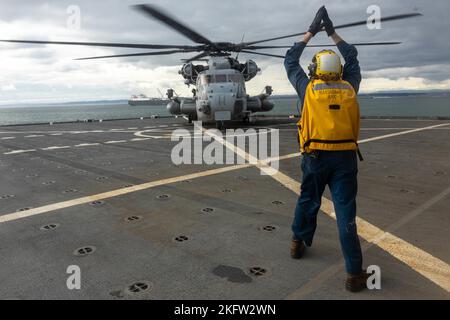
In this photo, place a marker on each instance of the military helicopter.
(220, 93)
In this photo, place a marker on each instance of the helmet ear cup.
(312, 67)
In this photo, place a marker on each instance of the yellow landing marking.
(19, 151)
(55, 148)
(34, 136)
(115, 193)
(86, 145)
(402, 132)
(420, 261)
(297, 154)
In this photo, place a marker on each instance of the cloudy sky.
(49, 73)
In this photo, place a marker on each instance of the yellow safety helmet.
(326, 65)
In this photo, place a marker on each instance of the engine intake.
(190, 72)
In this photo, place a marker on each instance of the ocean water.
(404, 106)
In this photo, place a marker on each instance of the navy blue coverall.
(337, 169)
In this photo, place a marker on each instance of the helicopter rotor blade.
(384, 19)
(102, 44)
(154, 53)
(263, 54)
(152, 11)
(352, 24)
(388, 43)
(197, 57)
(358, 44)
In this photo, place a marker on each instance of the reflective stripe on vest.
(325, 86)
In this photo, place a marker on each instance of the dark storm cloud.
(424, 39)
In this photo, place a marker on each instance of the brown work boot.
(297, 249)
(356, 283)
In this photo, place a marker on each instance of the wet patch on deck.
(232, 274)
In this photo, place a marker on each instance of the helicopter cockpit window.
(206, 79)
(234, 77)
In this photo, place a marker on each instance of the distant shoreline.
(376, 95)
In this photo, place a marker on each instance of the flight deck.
(107, 198)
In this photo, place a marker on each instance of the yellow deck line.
(417, 259)
(390, 135)
(115, 193)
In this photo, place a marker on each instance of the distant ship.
(143, 100)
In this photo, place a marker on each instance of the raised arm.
(352, 71)
(295, 73)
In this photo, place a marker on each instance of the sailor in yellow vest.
(328, 134)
